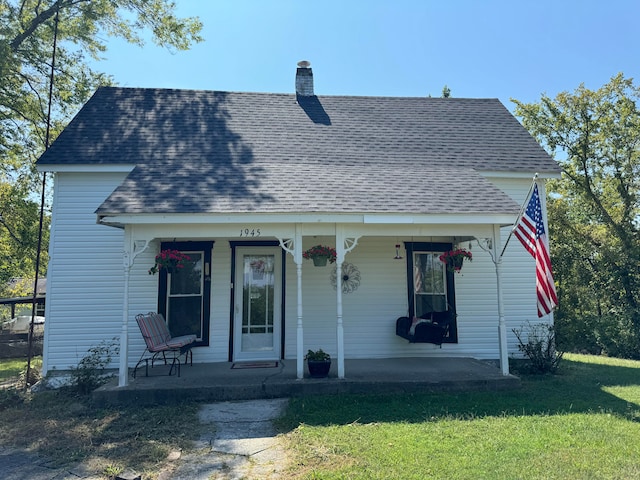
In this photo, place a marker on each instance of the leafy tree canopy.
(26, 44)
(595, 208)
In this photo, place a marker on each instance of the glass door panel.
(257, 309)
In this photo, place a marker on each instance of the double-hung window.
(430, 285)
(184, 296)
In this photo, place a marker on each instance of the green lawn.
(11, 368)
(583, 423)
(580, 424)
(65, 427)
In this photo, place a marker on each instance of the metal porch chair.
(160, 343)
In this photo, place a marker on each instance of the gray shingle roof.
(208, 152)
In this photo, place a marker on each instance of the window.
(184, 295)
(430, 285)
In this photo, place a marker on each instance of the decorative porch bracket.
(131, 250)
(344, 245)
(294, 247)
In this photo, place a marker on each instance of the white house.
(239, 180)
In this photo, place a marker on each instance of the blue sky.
(480, 49)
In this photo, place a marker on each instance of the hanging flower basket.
(454, 259)
(320, 261)
(169, 260)
(320, 254)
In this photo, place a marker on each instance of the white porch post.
(299, 329)
(343, 246)
(339, 326)
(131, 251)
(297, 258)
(502, 326)
(296, 251)
(123, 374)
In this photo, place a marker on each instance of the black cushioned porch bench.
(428, 328)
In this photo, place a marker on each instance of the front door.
(257, 303)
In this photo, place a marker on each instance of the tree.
(18, 237)
(595, 135)
(26, 43)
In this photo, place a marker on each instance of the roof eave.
(477, 218)
(85, 168)
(545, 175)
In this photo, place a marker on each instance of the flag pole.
(522, 209)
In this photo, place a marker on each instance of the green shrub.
(576, 332)
(89, 374)
(617, 337)
(538, 343)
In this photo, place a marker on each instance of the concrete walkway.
(242, 443)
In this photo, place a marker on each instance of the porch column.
(294, 247)
(502, 326)
(339, 325)
(297, 258)
(123, 373)
(127, 259)
(343, 246)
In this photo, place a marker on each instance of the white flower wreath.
(350, 278)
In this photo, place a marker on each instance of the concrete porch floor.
(212, 382)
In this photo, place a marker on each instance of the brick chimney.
(304, 79)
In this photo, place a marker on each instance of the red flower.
(454, 258)
(169, 259)
(321, 251)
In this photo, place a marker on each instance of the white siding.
(218, 350)
(86, 280)
(85, 273)
(370, 312)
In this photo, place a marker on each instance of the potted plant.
(169, 260)
(318, 363)
(320, 254)
(453, 259)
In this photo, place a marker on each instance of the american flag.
(531, 232)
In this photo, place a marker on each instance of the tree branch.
(13, 235)
(39, 19)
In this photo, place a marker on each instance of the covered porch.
(221, 382)
(140, 240)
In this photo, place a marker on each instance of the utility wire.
(42, 200)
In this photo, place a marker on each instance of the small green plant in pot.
(318, 363)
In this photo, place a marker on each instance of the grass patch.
(11, 368)
(66, 428)
(13, 372)
(579, 424)
(582, 423)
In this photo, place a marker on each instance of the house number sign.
(249, 232)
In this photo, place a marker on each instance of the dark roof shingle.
(206, 151)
